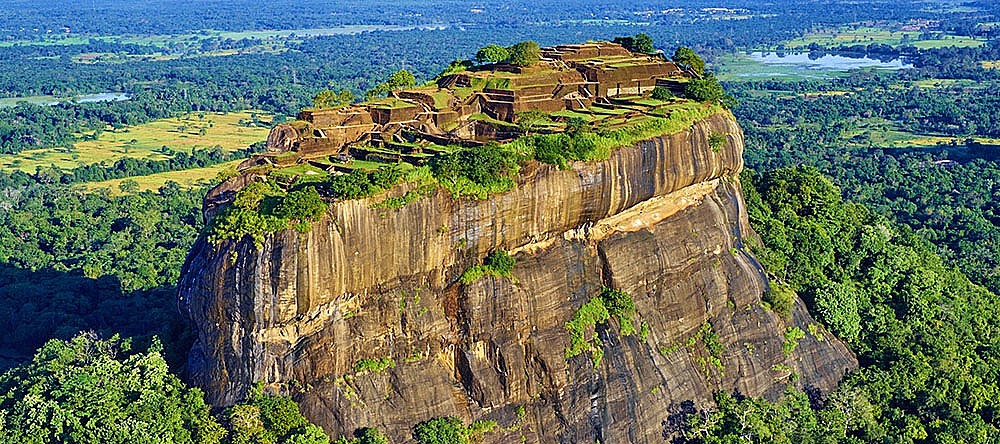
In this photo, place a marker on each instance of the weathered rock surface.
(662, 220)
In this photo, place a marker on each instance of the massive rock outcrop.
(662, 220)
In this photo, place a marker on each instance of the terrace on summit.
(601, 83)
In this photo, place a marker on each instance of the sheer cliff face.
(662, 220)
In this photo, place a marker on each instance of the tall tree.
(526, 53)
(492, 54)
(687, 57)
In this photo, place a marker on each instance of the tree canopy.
(330, 99)
(526, 53)
(641, 43)
(910, 318)
(687, 57)
(492, 54)
(89, 390)
(401, 79)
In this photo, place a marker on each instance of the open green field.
(195, 177)
(869, 35)
(184, 133)
(883, 133)
(34, 100)
(900, 139)
(946, 83)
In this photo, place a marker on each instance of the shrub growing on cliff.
(781, 298)
(621, 307)
(499, 263)
(708, 89)
(92, 390)
(374, 365)
(250, 214)
(586, 318)
(611, 303)
(302, 205)
(360, 183)
(477, 171)
(555, 149)
(716, 141)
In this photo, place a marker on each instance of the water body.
(826, 62)
(102, 97)
(49, 100)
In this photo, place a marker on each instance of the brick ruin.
(470, 107)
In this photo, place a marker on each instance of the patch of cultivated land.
(195, 177)
(185, 133)
(883, 133)
(946, 83)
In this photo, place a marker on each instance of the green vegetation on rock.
(499, 263)
(401, 79)
(360, 183)
(716, 141)
(376, 365)
(780, 298)
(708, 89)
(477, 171)
(526, 53)
(611, 303)
(450, 430)
(661, 93)
(792, 337)
(261, 207)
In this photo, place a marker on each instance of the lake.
(826, 62)
(50, 100)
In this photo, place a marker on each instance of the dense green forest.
(946, 191)
(94, 390)
(927, 339)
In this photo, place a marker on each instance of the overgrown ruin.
(602, 83)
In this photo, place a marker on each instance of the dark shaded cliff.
(662, 220)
